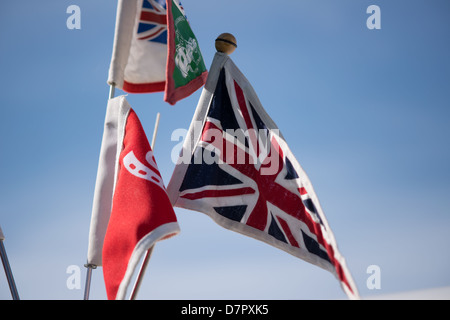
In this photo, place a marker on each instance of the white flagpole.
(89, 266)
(138, 282)
(7, 267)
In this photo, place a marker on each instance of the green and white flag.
(186, 69)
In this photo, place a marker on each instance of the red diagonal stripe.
(243, 105)
(287, 231)
(246, 115)
(218, 193)
(152, 17)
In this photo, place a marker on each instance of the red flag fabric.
(141, 211)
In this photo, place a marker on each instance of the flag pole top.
(226, 43)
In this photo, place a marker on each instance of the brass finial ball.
(226, 43)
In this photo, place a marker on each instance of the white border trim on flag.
(160, 233)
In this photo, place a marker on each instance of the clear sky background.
(366, 113)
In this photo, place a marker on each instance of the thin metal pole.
(7, 267)
(140, 276)
(89, 266)
(155, 131)
(138, 282)
(87, 287)
(112, 90)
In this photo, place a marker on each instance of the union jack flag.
(153, 21)
(243, 175)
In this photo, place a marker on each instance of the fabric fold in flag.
(236, 167)
(155, 50)
(131, 210)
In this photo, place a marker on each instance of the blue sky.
(366, 112)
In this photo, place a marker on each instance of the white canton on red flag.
(236, 167)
